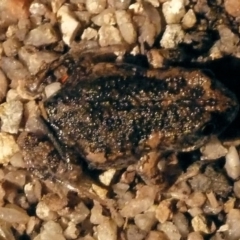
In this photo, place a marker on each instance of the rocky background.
(204, 201)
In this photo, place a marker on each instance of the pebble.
(35, 60)
(11, 46)
(232, 7)
(126, 26)
(52, 88)
(14, 70)
(232, 164)
(89, 34)
(106, 17)
(173, 11)
(3, 86)
(42, 35)
(44, 212)
(107, 230)
(200, 224)
(96, 6)
(109, 35)
(189, 19)
(170, 230)
(172, 36)
(145, 221)
(233, 220)
(195, 236)
(11, 116)
(18, 178)
(69, 25)
(8, 147)
(71, 232)
(164, 211)
(107, 176)
(13, 215)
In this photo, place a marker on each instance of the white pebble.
(3, 85)
(109, 35)
(8, 147)
(107, 230)
(173, 11)
(232, 164)
(96, 6)
(68, 24)
(172, 36)
(52, 88)
(189, 19)
(126, 26)
(13, 215)
(11, 115)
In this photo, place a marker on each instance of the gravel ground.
(203, 200)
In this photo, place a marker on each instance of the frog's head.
(203, 108)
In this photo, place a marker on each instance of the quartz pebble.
(52, 88)
(106, 17)
(3, 85)
(11, 46)
(199, 224)
(35, 60)
(170, 230)
(109, 35)
(11, 115)
(173, 11)
(126, 26)
(51, 230)
(145, 221)
(43, 35)
(96, 6)
(89, 34)
(18, 178)
(13, 215)
(8, 147)
(44, 212)
(172, 36)
(232, 7)
(68, 24)
(232, 164)
(233, 220)
(107, 230)
(189, 19)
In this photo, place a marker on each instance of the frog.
(116, 114)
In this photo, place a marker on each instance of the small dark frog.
(120, 114)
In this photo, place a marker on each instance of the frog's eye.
(208, 129)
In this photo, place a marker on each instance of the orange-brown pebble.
(232, 7)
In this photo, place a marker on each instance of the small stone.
(3, 85)
(14, 70)
(52, 88)
(106, 17)
(89, 34)
(107, 230)
(107, 176)
(36, 60)
(189, 19)
(199, 224)
(119, 4)
(172, 36)
(170, 230)
(13, 215)
(173, 11)
(196, 199)
(109, 35)
(8, 147)
(11, 46)
(145, 221)
(236, 188)
(68, 23)
(233, 220)
(33, 191)
(232, 164)
(43, 35)
(232, 7)
(126, 26)
(96, 6)
(11, 116)
(44, 212)
(163, 211)
(71, 232)
(18, 178)
(195, 236)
